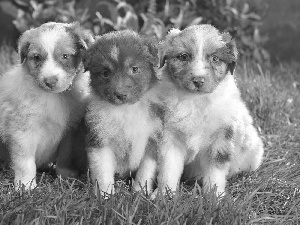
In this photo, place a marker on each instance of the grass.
(270, 195)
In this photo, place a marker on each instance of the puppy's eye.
(37, 58)
(215, 58)
(65, 56)
(134, 69)
(106, 73)
(183, 57)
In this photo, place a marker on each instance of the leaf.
(256, 36)
(167, 9)
(196, 21)
(232, 10)
(253, 16)
(245, 8)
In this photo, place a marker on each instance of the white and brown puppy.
(122, 130)
(207, 127)
(42, 97)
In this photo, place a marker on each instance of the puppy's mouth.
(120, 98)
(54, 86)
(198, 85)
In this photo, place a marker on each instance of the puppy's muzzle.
(198, 81)
(50, 82)
(120, 96)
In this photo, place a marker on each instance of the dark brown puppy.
(119, 120)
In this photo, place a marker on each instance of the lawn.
(270, 195)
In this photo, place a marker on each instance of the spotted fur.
(208, 131)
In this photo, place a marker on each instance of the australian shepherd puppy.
(42, 97)
(122, 131)
(207, 127)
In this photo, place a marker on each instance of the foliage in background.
(241, 18)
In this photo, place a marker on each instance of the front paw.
(165, 192)
(24, 185)
(66, 172)
(137, 187)
(105, 193)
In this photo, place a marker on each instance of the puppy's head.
(121, 66)
(52, 53)
(198, 58)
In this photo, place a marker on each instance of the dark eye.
(183, 57)
(135, 69)
(37, 58)
(215, 58)
(105, 73)
(65, 56)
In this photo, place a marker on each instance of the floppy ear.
(23, 51)
(162, 54)
(86, 59)
(23, 44)
(231, 52)
(163, 45)
(84, 38)
(173, 32)
(232, 46)
(162, 61)
(151, 47)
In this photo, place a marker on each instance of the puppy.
(207, 127)
(42, 97)
(122, 131)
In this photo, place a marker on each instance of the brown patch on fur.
(157, 110)
(222, 157)
(229, 133)
(92, 139)
(66, 55)
(228, 54)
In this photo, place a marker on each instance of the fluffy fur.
(208, 131)
(122, 131)
(42, 97)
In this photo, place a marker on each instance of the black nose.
(120, 96)
(198, 81)
(50, 81)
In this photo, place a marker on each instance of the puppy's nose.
(50, 81)
(198, 81)
(120, 96)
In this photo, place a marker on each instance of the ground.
(270, 195)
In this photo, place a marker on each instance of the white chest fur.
(31, 114)
(196, 117)
(125, 128)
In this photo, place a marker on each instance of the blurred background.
(267, 31)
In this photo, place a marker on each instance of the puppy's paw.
(159, 193)
(154, 194)
(24, 186)
(105, 193)
(145, 190)
(66, 172)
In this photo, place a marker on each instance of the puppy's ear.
(162, 54)
(23, 51)
(84, 38)
(164, 45)
(151, 44)
(231, 52)
(173, 32)
(24, 43)
(86, 59)
(162, 61)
